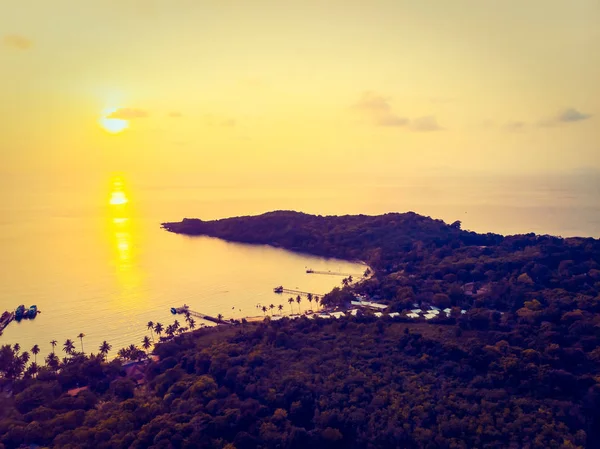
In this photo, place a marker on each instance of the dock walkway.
(186, 310)
(280, 289)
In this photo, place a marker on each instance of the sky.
(227, 87)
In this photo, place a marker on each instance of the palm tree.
(25, 358)
(52, 361)
(280, 308)
(271, 307)
(298, 299)
(291, 301)
(350, 279)
(150, 326)
(123, 353)
(345, 282)
(192, 323)
(316, 299)
(264, 309)
(220, 317)
(158, 328)
(176, 324)
(68, 346)
(17, 348)
(53, 343)
(35, 351)
(310, 299)
(80, 336)
(105, 347)
(170, 330)
(146, 343)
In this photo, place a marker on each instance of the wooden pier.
(290, 291)
(7, 317)
(334, 273)
(185, 310)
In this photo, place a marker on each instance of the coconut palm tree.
(345, 282)
(264, 310)
(68, 346)
(158, 328)
(280, 308)
(316, 300)
(33, 369)
(192, 323)
(35, 351)
(150, 327)
(53, 343)
(291, 301)
(16, 348)
(52, 361)
(350, 279)
(105, 347)
(310, 299)
(25, 358)
(220, 317)
(298, 300)
(122, 353)
(176, 324)
(271, 307)
(146, 343)
(80, 336)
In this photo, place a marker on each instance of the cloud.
(566, 116)
(17, 42)
(379, 110)
(128, 114)
(229, 122)
(425, 124)
(515, 126)
(175, 114)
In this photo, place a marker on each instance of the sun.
(113, 125)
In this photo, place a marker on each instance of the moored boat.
(278, 289)
(19, 312)
(32, 311)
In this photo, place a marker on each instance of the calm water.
(106, 270)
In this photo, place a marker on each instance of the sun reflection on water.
(121, 231)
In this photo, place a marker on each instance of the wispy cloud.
(515, 126)
(175, 114)
(229, 122)
(128, 114)
(566, 116)
(17, 42)
(379, 110)
(425, 124)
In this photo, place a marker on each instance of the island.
(514, 363)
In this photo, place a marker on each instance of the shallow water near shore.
(95, 263)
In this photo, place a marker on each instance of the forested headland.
(520, 369)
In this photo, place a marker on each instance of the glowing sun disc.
(114, 125)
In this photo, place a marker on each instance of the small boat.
(26, 313)
(173, 310)
(32, 311)
(310, 271)
(278, 289)
(19, 312)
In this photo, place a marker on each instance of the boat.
(309, 271)
(278, 289)
(173, 310)
(32, 311)
(19, 312)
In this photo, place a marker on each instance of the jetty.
(185, 310)
(334, 273)
(5, 320)
(280, 289)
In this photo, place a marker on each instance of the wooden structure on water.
(280, 289)
(334, 273)
(185, 310)
(5, 320)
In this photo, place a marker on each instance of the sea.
(91, 254)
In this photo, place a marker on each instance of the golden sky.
(341, 86)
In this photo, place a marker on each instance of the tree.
(146, 343)
(345, 282)
(271, 307)
(35, 351)
(310, 299)
(122, 353)
(158, 328)
(105, 347)
(298, 300)
(280, 308)
(53, 343)
(52, 361)
(16, 348)
(80, 336)
(264, 309)
(316, 299)
(220, 317)
(291, 301)
(192, 323)
(150, 327)
(176, 324)
(68, 346)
